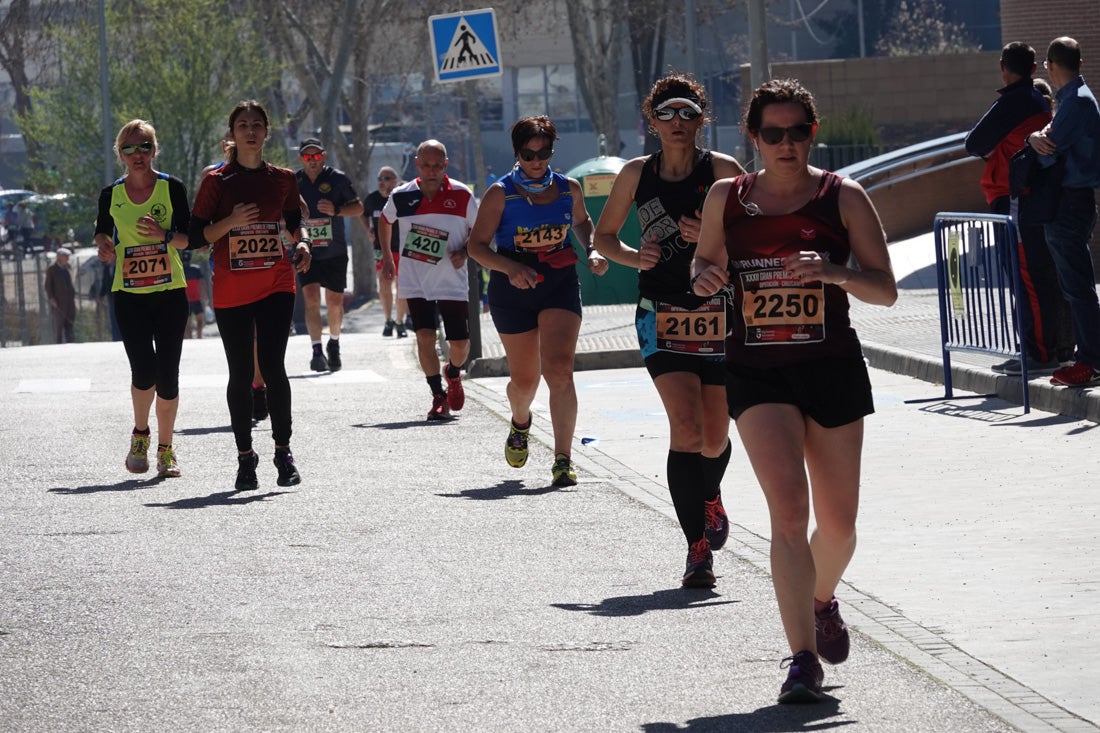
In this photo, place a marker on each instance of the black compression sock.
(435, 382)
(685, 478)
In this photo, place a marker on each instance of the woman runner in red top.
(779, 240)
(245, 209)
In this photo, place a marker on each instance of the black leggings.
(152, 327)
(269, 319)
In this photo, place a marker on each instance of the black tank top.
(660, 205)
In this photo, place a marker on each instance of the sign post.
(465, 45)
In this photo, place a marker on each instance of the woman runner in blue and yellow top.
(534, 290)
(679, 333)
(141, 227)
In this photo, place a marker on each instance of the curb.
(1081, 404)
(497, 366)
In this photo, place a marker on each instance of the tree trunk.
(596, 28)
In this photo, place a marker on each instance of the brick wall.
(926, 96)
(1038, 22)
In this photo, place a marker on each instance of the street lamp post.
(105, 96)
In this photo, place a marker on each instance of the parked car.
(8, 238)
(61, 218)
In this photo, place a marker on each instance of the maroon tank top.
(777, 320)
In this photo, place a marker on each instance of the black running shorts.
(330, 273)
(454, 313)
(833, 392)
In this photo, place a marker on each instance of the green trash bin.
(619, 284)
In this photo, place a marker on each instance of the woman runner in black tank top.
(680, 334)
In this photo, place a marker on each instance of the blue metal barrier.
(978, 273)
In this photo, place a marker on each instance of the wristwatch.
(168, 236)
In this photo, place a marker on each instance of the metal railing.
(25, 316)
(978, 277)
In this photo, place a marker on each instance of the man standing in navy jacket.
(1073, 137)
(1000, 133)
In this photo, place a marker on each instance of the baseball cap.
(310, 142)
(64, 252)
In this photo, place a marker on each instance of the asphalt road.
(412, 582)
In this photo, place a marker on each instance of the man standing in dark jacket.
(1073, 139)
(1000, 133)
(62, 296)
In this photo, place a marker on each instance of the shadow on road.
(503, 490)
(222, 498)
(667, 599)
(406, 424)
(205, 431)
(131, 484)
(772, 719)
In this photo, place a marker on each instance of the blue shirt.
(1076, 131)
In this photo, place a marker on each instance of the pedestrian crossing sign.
(465, 45)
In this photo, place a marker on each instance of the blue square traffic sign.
(465, 45)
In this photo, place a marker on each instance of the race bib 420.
(425, 244)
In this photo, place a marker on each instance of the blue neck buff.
(532, 185)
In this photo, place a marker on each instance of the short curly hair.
(675, 85)
(778, 91)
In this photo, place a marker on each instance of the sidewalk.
(965, 568)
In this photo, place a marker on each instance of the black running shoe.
(334, 362)
(718, 524)
(804, 678)
(388, 329)
(833, 639)
(246, 472)
(259, 403)
(288, 473)
(318, 363)
(699, 571)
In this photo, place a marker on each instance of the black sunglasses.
(798, 133)
(686, 113)
(144, 147)
(528, 155)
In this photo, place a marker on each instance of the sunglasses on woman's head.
(312, 156)
(144, 147)
(528, 155)
(686, 113)
(798, 133)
